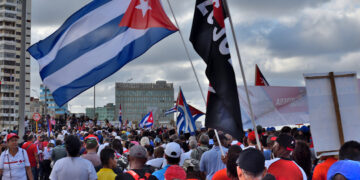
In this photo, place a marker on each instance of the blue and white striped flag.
(96, 41)
(170, 111)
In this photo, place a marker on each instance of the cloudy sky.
(286, 38)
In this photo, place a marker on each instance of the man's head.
(222, 139)
(204, 140)
(137, 153)
(229, 139)
(192, 144)
(107, 157)
(31, 138)
(91, 144)
(159, 152)
(172, 153)
(350, 150)
(251, 165)
(283, 146)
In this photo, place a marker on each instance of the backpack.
(137, 177)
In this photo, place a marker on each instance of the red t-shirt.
(221, 175)
(320, 171)
(284, 169)
(31, 150)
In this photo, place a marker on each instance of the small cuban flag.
(120, 116)
(147, 121)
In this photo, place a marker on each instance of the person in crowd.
(137, 159)
(251, 140)
(302, 156)
(102, 146)
(73, 166)
(198, 151)
(210, 161)
(59, 151)
(108, 162)
(159, 158)
(14, 162)
(172, 156)
(270, 143)
(186, 155)
(229, 173)
(251, 165)
(47, 160)
(282, 167)
(91, 145)
(320, 171)
(32, 153)
(348, 166)
(175, 172)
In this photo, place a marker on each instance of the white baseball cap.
(173, 150)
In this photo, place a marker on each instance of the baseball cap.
(251, 136)
(348, 168)
(138, 151)
(175, 172)
(173, 150)
(251, 160)
(286, 141)
(11, 135)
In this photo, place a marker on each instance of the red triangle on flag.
(143, 14)
(259, 78)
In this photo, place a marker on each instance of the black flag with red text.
(209, 40)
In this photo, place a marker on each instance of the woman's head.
(73, 145)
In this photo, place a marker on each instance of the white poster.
(322, 115)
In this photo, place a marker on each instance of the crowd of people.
(109, 153)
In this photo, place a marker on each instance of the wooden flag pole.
(192, 66)
(243, 74)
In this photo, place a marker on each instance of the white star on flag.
(143, 6)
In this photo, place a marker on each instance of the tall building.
(52, 108)
(103, 113)
(137, 99)
(10, 46)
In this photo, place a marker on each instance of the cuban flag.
(147, 121)
(120, 116)
(186, 120)
(48, 121)
(170, 111)
(96, 41)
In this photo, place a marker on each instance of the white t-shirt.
(69, 168)
(14, 164)
(101, 147)
(157, 162)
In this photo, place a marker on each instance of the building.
(103, 113)
(10, 50)
(52, 108)
(137, 99)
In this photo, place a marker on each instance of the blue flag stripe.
(69, 91)
(42, 48)
(83, 45)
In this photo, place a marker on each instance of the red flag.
(259, 78)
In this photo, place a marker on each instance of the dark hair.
(172, 161)
(116, 145)
(233, 154)
(350, 150)
(105, 155)
(159, 152)
(149, 149)
(286, 129)
(30, 137)
(58, 142)
(302, 156)
(73, 145)
(211, 134)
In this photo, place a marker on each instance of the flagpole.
(243, 74)
(192, 66)
(187, 53)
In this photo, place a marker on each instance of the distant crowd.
(83, 150)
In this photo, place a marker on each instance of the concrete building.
(103, 113)
(52, 108)
(10, 46)
(137, 99)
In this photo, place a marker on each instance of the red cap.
(251, 136)
(175, 172)
(11, 135)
